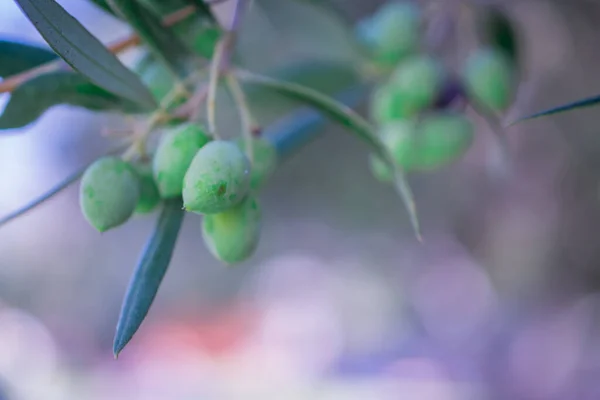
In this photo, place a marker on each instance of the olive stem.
(246, 118)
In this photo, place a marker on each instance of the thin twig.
(244, 111)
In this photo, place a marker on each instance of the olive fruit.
(489, 78)
(387, 105)
(173, 156)
(156, 76)
(418, 81)
(392, 33)
(264, 160)
(217, 179)
(149, 196)
(109, 193)
(232, 235)
(398, 138)
(441, 138)
(380, 170)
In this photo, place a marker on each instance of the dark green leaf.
(65, 183)
(16, 57)
(161, 40)
(346, 117)
(498, 31)
(82, 51)
(149, 273)
(587, 102)
(34, 97)
(203, 9)
(161, 8)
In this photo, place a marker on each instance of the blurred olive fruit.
(489, 78)
(173, 156)
(380, 170)
(109, 193)
(392, 33)
(418, 81)
(264, 160)
(398, 137)
(217, 179)
(232, 235)
(441, 138)
(149, 195)
(387, 105)
(156, 76)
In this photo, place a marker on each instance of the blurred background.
(340, 301)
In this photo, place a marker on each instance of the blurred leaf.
(347, 118)
(16, 57)
(65, 183)
(587, 102)
(104, 5)
(313, 27)
(84, 52)
(499, 31)
(203, 9)
(160, 8)
(149, 273)
(161, 40)
(34, 97)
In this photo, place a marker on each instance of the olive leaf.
(346, 117)
(161, 40)
(149, 273)
(583, 103)
(104, 6)
(34, 97)
(16, 57)
(203, 9)
(82, 51)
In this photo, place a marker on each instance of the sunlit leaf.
(17, 56)
(34, 97)
(149, 273)
(347, 118)
(161, 40)
(86, 54)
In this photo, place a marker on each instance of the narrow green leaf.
(161, 40)
(346, 117)
(82, 51)
(583, 103)
(65, 183)
(104, 6)
(17, 56)
(34, 97)
(161, 8)
(203, 9)
(149, 273)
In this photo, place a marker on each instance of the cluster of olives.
(415, 107)
(213, 177)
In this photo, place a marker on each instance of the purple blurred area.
(340, 301)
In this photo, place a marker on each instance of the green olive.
(156, 76)
(109, 193)
(217, 179)
(173, 156)
(387, 105)
(232, 236)
(264, 160)
(380, 170)
(392, 33)
(149, 195)
(398, 137)
(489, 78)
(441, 138)
(418, 81)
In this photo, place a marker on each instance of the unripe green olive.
(109, 193)
(387, 105)
(217, 179)
(149, 195)
(264, 160)
(173, 156)
(392, 33)
(156, 76)
(398, 137)
(418, 81)
(232, 235)
(441, 138)
(489, 78)
(380, 170)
